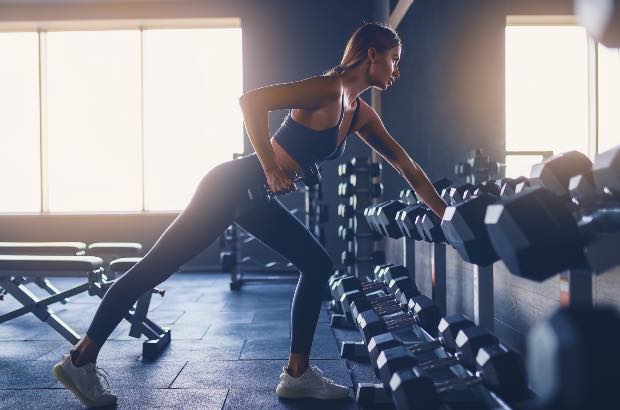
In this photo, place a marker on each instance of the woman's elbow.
(243, 100)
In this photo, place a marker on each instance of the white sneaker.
(84, 382)
(311, 384)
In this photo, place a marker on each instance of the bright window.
(20, 171)
(192, 119)
(131, 118)
(546, 92)
(93, 121)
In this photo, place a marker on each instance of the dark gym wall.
(283, 41)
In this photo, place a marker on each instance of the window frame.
(41, 28)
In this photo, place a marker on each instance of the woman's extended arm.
(373, 132)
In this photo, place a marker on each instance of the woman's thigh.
(279, 229)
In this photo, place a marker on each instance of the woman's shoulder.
(329, 84)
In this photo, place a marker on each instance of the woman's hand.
(279, 181)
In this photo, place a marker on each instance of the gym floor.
(227, 350)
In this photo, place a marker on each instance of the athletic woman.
(323, 111)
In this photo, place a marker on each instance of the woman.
(324, 110)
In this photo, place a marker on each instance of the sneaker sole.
(296, 394)
(60, 375)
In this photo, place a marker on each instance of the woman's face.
(385, 71)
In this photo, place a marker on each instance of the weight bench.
(13, 268)
(108, 251)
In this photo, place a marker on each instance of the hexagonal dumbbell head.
(407, 217)
(387, 216)
(489, 187)
(450, 326)
(393, 272)
(582, 189)
(413, 390)
(393, 359)
(503, 371)
(606, 171)
(379, 343)
(441, 183)
(431, 224)
(469, 340)
(427, 313)
(403, 289)
(555, 172)
(420, 227)
(573, 361)
(534, 234)
(456, 193)
(408, 196)
(464, 228)
(508, 186)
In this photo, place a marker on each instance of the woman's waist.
(285, 160)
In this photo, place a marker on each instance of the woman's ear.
(372, 55)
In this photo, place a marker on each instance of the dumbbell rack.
(359, 191)
(317, 214)
(372, 394)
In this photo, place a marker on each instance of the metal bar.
(438, 276)
(43, 121)
(142, 308)
(483, 296)
(592, 97)
(576, 288)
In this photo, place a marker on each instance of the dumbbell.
(308, 177)
(342, 287)
(348, 258)
(511, 186)
(448, 329)
(400, 291)
(385, 218)
(404, 221)
(463, 223)
(422, 312)
(429, 224)
(572, 359)
(537, 234)
(359, 165)
(372, 218)
(369, 216)
(408, 197)
(347, 189)
(387, 277)
(432, 226)
(454, 194)
(464, 339)
(498, 368)
(489, 187)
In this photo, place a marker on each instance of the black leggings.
(221, 199)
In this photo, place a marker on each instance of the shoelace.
(320, 373)
(102, 373)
